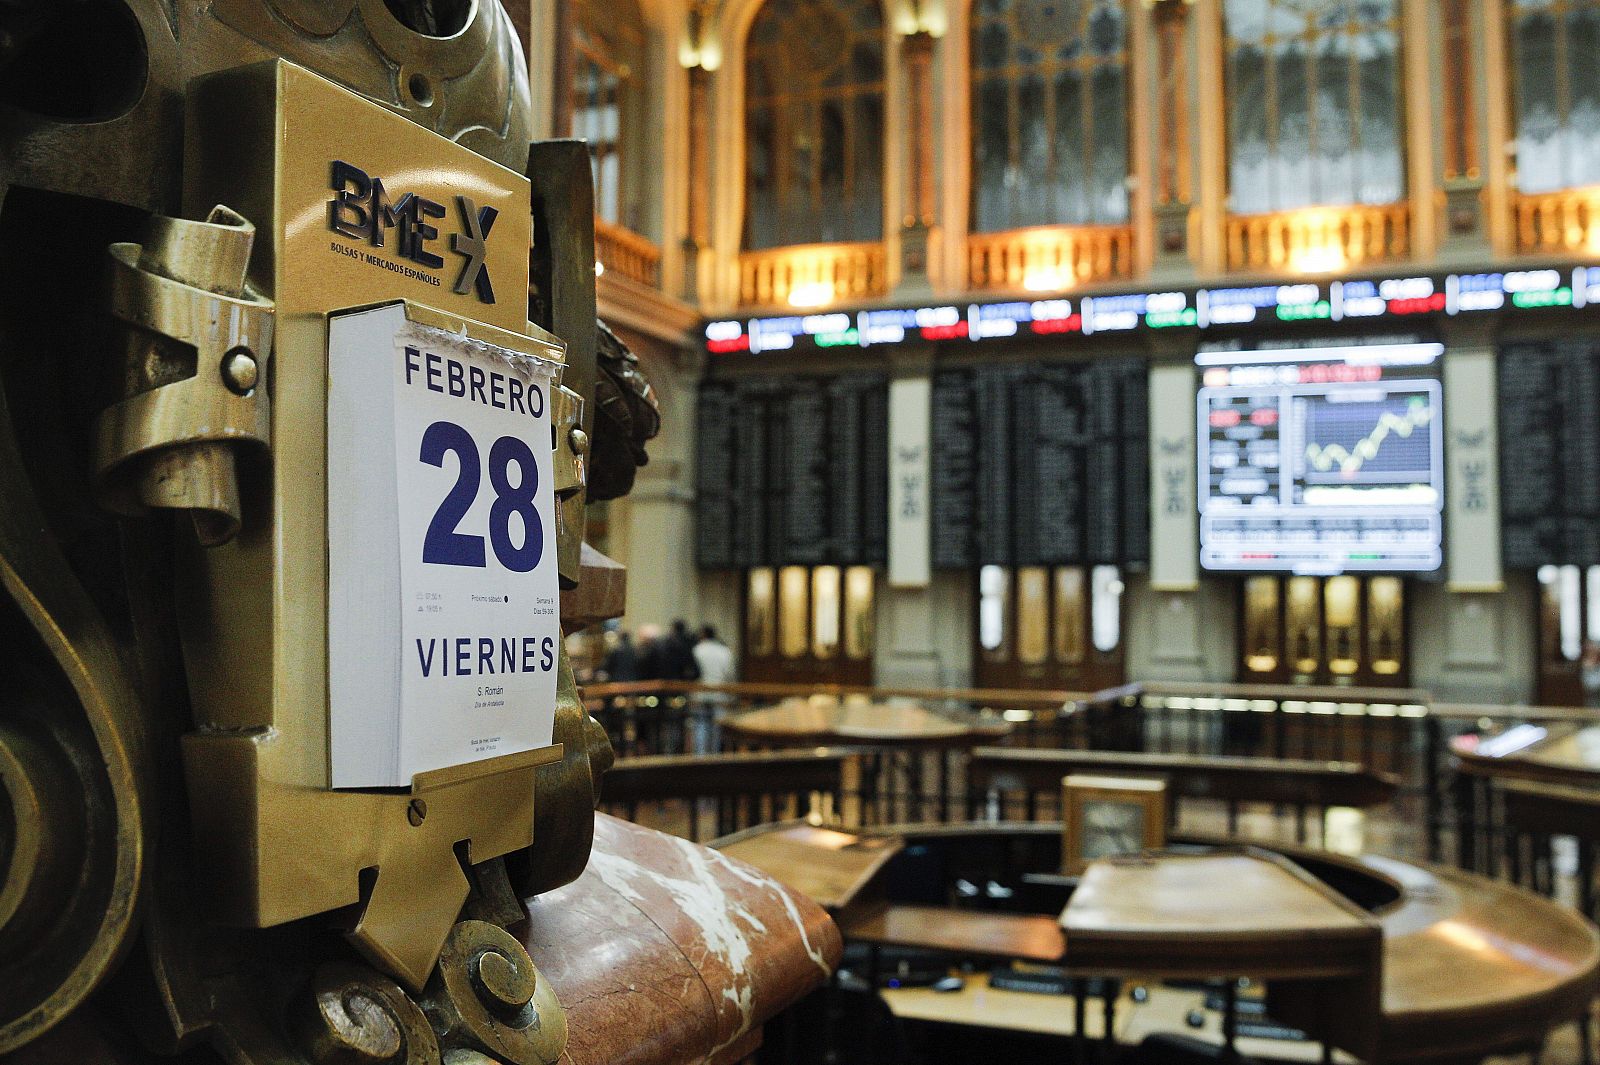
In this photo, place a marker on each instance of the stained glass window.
(814, 123)
(1049, 113)
(1556, 47)
(1314, 103)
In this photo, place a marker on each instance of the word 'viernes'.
(473, 656)
(449, 377)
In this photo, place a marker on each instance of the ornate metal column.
(1174, 166)
(917, 232)
(1466, 231)
(697, 233)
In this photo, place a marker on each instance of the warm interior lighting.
(1315, 246)
(811, 294)
(1319, 259)
(761, 613)
(1464, 936)
(1045, 279)
(993, 584)
(699, 47)
(794, 634)
(599, 268)
(921, 16)
(1105, 608)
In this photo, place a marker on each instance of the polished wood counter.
(667, 952)
(1472, 966)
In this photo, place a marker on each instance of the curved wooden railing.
(1319, 239)
(1565, 221)
(813, 275)
(1049, 258)
(1000, 698)
(1402, 733)
(627, 254)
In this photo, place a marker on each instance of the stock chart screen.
(1321, 460)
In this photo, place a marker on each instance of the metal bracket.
(572, 443)
(197, 346)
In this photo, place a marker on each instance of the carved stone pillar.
(917, 233)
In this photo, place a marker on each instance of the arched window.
(1557, 51)
(1049, 113)
(1314, 113)
(608, 52)
(814, 123)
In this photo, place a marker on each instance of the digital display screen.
(1321, 460)
(1061, 317)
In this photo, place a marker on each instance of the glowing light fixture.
(811, 294)
(1046, 279)
(1318, 259)
(921, 16)
(1315, 244)
(599, 268)
(699, 46)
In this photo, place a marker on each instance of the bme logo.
(361, 208)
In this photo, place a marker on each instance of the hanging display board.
(792, 471)
(1041, 465)
(1550, 452)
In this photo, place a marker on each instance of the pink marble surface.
(665, 951)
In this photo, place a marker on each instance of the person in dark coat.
(677, 654)
(622, 661)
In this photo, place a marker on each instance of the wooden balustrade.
(1049, 258)
(627, 253)
(1565, 221)
(813, 275)
(1319, 240)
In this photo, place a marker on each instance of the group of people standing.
(678, 655)
(674, 654)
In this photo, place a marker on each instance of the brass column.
(1173, 200)
(696, 234)
(1462, 173)
(917, 231)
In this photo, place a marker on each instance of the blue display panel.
(1321, 460)
(1374, 300)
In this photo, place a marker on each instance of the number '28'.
(443, 545)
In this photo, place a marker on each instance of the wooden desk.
(1167, 1011)
(830, 721)
(1026, 937)
(830, 867)
(1225, 915)
(1202, 916)
(1558, 753)
(1471, 967)
(977, 1005)
(893, 739)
